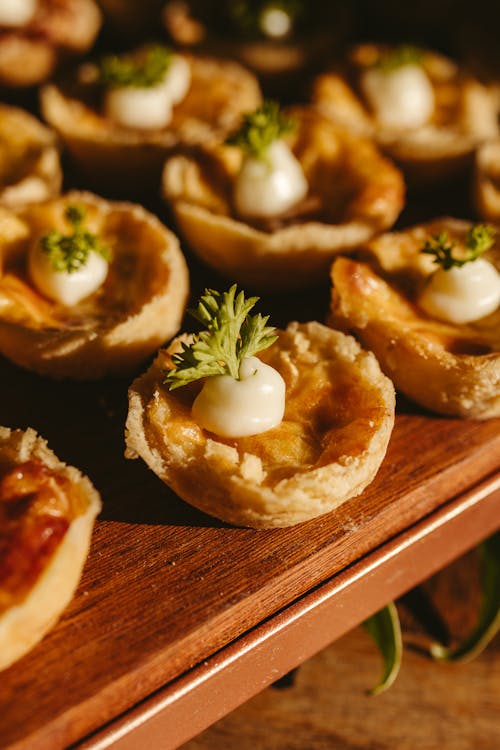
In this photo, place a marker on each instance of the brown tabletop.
(178, 617)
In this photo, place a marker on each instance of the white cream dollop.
(177, 79)
(17, 13)
(149, 107)
(270, 186)
(236, 408)
(63, 287)
(462, 294)
(402, 97)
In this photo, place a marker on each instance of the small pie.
(110, 153)
(339, 415)
(487, 181)
(30, 169)
(138, 307)
(354, 193)
(47, 512)
(449, 368)
(30, 53)
(464, 114)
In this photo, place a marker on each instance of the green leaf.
(70, 252)
(261, 128)
(231, 334)
(139, 72)
(479, 238)
(488, 623)
(385, 629)
(396, 57)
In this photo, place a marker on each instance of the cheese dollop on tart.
(423, 109)
(37, 35)
(338, 416)
(270, 180)
(338, 192)
(445, 356)
(119, 125)
(17, 12)
(63, 315)
(47, 512)
(141, 91)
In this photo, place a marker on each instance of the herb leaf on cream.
(478, 240)
(261, 128)
(142, 72)
(69, 252)
(231, 334)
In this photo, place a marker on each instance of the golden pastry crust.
(487, 181)
(338, 419)
(219, 92)
(29, 55)
(47, 510)
(354, 194)
(448, 368)
(30, 169)
(139, 306)
(465, 115)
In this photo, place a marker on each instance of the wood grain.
(431, 706)
(166, 586)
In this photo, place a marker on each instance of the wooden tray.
(166, 587)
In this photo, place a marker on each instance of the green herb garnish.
(478, 239)
(231, 334)
(261, 128)
(141, 72)
(69, 252)
(396, 57)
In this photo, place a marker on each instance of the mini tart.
(466, 114)
(354, 193)
(447, 368)
(487, 181)
(30, 169)
(139, 306)
(338, 419)
(108, 153)
(47, 512)
(30, 54)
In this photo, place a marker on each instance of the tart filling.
(117, 323)
(109, 148)
(47, 511)
(35, 35)
(339, 413)
(423, 109)
(30, 170)
(449, 367)
(352, 193)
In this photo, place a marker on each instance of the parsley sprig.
(478, 239)
(69, 252)
(261, 128)
(231, 334)
(396, 57)
(141, 72)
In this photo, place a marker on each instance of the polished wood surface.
(165, 586)
(432, 706)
